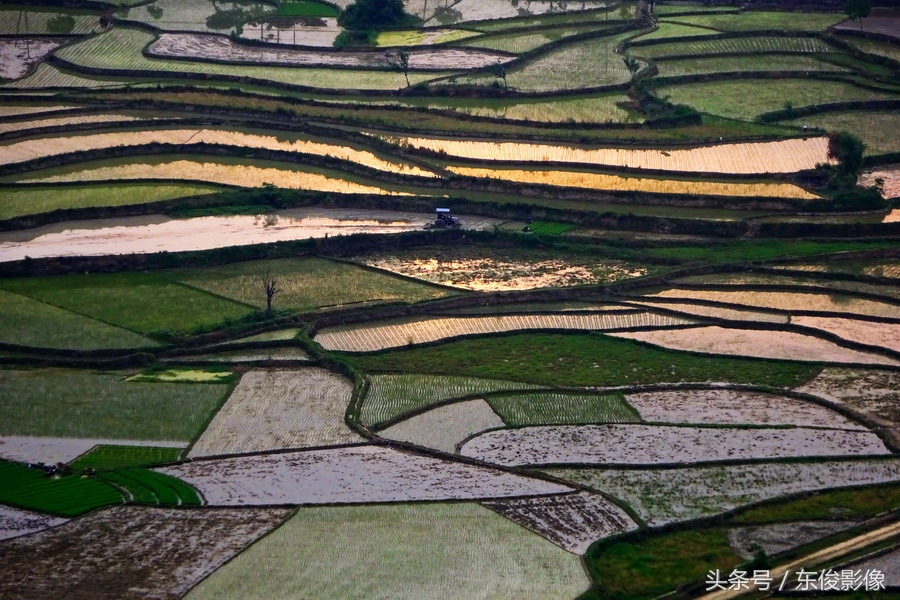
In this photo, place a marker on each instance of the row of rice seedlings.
(876, 47)
(663, 496)
(766, 279)
(27, 322)
(121, 48)
(34, 21)
(76, 404)
(598, 181)
(423, 37)
(739, 45)
(217, 48)
(752, 20)
(782, 345)
(47, 76)
(783, 156)
(444, 427)
(877, 129)
(306, 283)
(187, 15)
(390, 396)
(391, 549)
(562, 408)
(747, 99)
(790, 301)
(747, 63)
(592, 109)
(223, 173)
(106, 456)
(666, 29)
(636, 444)
(545, 14)
(40, 147)
(518, 43)
(735, 407)
(358, 473)
(271, 410)
(372, 337)
(40, 199)
(719, 312)
(69, 495)
(577, 65)
(64, 121)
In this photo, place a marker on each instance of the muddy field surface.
(444, 427)
(783, 345)
(891, 176)
(295, 32)
(17, 56)
(780, 537)
(15, 522)
(353, 474)
(129, 552)
(651, 444)
(735, 407)
(213, 47)
(872, 393)
(572, 521)
(52, 450)
(885, 335)
(888, 563)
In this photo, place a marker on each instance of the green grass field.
(105, 457)
(122, 299)
(752, 20)
(666, 30)
(747, 99)
(69, 403)
(150, 487)
(428, 551)
(307, 8)
(555, 408)
(581, 360)
(19, 201)
(659, 563)
(518, 43)
(551, 228)
(28, 322)
(876, 47)
(739, 45)
(69, 495)
(877, 129)
(750, 250)
(748, 63)
(856, 503)
(306, 283)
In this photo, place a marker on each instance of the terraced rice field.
(744, 64)
(734, 407)
(369, 338)
(349, 475)
(717, 312)
(10, 24)
(561, 408)
(571, 521)
(785, 156)
(7, 110)
(602, 108)
(738, 45)
(42, 147)
(17, 56)
(270, 410)
(185, 15)
(668, 29)
(597, 181)
(663, 496)
(876, 47)
(769, 279)
(217, 48)
(762, 20)
(783, 345)
(418, 37)
(264, 354)
(121, 48)
(46, 76)
(884, 335)
(444, 427)
(390, 396)
(812, 301)
(64, 496)
(874, 128)
(53, 450)
(517, 43)
(167, 551)
(465, 550)
(658, 444)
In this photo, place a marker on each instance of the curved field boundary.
(445, 427)
(636, 444)
(562, 408)
(390, 396)
(783, 156)
(423, 330)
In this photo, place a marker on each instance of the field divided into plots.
(405, 551)
(391, 395)
(738, 45)
(444, 427)
(369, 338)
(15, 522)
(761, 20)
(552, 408)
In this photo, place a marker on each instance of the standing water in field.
(143, 235)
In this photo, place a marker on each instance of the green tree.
(368, 15)
(857, 9)
(847, 150)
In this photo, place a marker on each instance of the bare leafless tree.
(271, 286)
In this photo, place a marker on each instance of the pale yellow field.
(597, 181)
(41, 147)
(784, 156)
